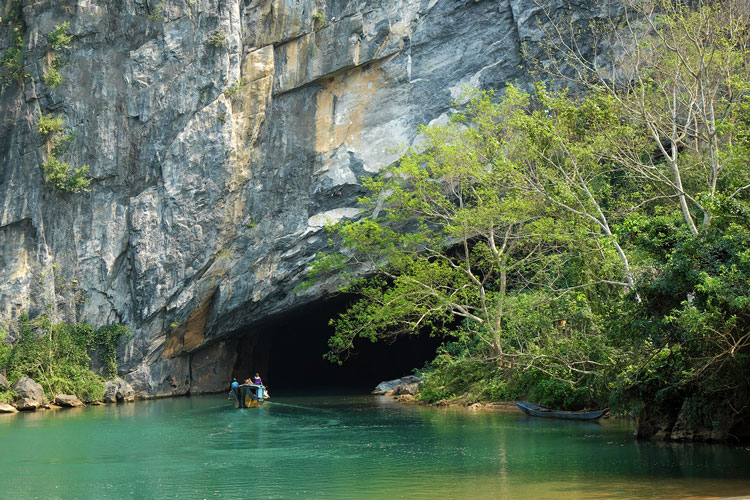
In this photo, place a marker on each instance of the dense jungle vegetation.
(580, 248)
(59, 357)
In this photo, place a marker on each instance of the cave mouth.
(288, 352)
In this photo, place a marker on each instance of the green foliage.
(157, 13)
(56, 171)
(52, 77)
(324, 264)
(225, 253)
(319, 21)
(235, 89)
(5, 348)
(106, 340)
(59, 38)
(477, 226)
(59, 174)
(574, 250)
(56, 355)
(694, 321)
(217, 39)
(8, 396)
(49, 125)
(11, 65)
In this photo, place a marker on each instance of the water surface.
(345, 447)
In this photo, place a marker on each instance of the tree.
(681, 72)
(561, 148)
(441, 242)
(458, 242)
(57, 355)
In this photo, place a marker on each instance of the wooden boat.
(248, 395)
(541, 411)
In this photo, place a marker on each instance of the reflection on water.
(345, 447)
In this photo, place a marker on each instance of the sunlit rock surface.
(216, 167)
(30, 394)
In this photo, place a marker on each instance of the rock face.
(679, 423)
(3, 383)
(68, 400)
(30, 394)
(221, 135)
(6, 408)
(118, 391)
(408, 385)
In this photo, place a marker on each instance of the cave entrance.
(288, 352)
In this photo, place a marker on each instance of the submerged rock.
(30, 394)
(68, 400)
(118, 391)
(6, 408)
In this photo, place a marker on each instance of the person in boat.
(258, 381)
(235, 384)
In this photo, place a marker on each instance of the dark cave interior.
(288, 352)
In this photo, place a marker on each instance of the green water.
(344, 447)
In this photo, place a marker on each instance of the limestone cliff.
(221, 136)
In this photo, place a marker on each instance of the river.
(345, 447)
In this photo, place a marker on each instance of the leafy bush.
(235, 89)
(56, 355)
(49, 125)
(58, 172)
(106, 340)
(52, 77)
(217, 39)
(59, 38)
(8, 396)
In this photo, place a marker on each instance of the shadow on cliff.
(288, 353)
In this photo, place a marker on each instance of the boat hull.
(248, 396)
(540, 411)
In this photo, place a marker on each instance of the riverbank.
(406, 390)
(28, 395)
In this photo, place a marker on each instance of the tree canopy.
(581, 245)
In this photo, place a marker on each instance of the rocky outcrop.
(6, 408)
(4, 386)
(68, 401)
(682, 423)
(408, 385)
(221, 135)
(30, 394)
(118, 391)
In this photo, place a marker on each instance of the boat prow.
(541, 411)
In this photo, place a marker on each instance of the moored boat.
(541, 411)
(249, 395)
